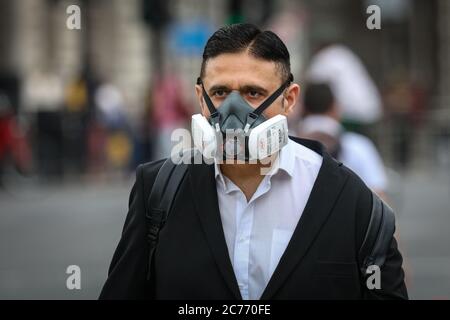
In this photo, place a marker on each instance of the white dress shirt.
(257, 232)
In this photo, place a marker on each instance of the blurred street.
(79, 224)
(67, 225)
(423, 221)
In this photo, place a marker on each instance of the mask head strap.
(251, 118)
(212, 110)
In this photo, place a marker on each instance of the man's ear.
(201, 101)
(291, 97)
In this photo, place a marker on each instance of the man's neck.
(247, 176)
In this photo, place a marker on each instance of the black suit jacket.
(192, 261)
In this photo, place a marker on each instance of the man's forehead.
(241, 69)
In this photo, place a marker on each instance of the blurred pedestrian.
(15, 151)
(405, 104)
(321, 121)
(110, 107)
(170, 112)
(44, 99)
(357, 97)
(75, 121)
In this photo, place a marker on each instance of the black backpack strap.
(160, 201)
(378, 237)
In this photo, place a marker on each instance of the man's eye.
(220, 93)
(254, 94)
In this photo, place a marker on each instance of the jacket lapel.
(324, 194)
(203, 186)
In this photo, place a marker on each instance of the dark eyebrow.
(245, 88)
(218, 87)
(248, 88)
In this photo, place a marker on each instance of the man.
(321, 122)
(234, 233)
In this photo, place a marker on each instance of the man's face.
(255, 79)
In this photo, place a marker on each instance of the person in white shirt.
(320, 121)
(358, 98)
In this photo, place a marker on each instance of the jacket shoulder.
(357, 185)
(151, 168)
(146, 174)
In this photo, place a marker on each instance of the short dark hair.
(238, 37)
(317, 98)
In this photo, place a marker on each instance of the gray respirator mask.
(241, 131)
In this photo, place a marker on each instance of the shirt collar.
(284, 162)
(287, 158)
(218, 174)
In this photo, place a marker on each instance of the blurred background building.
(131, 44)
(78, 107)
